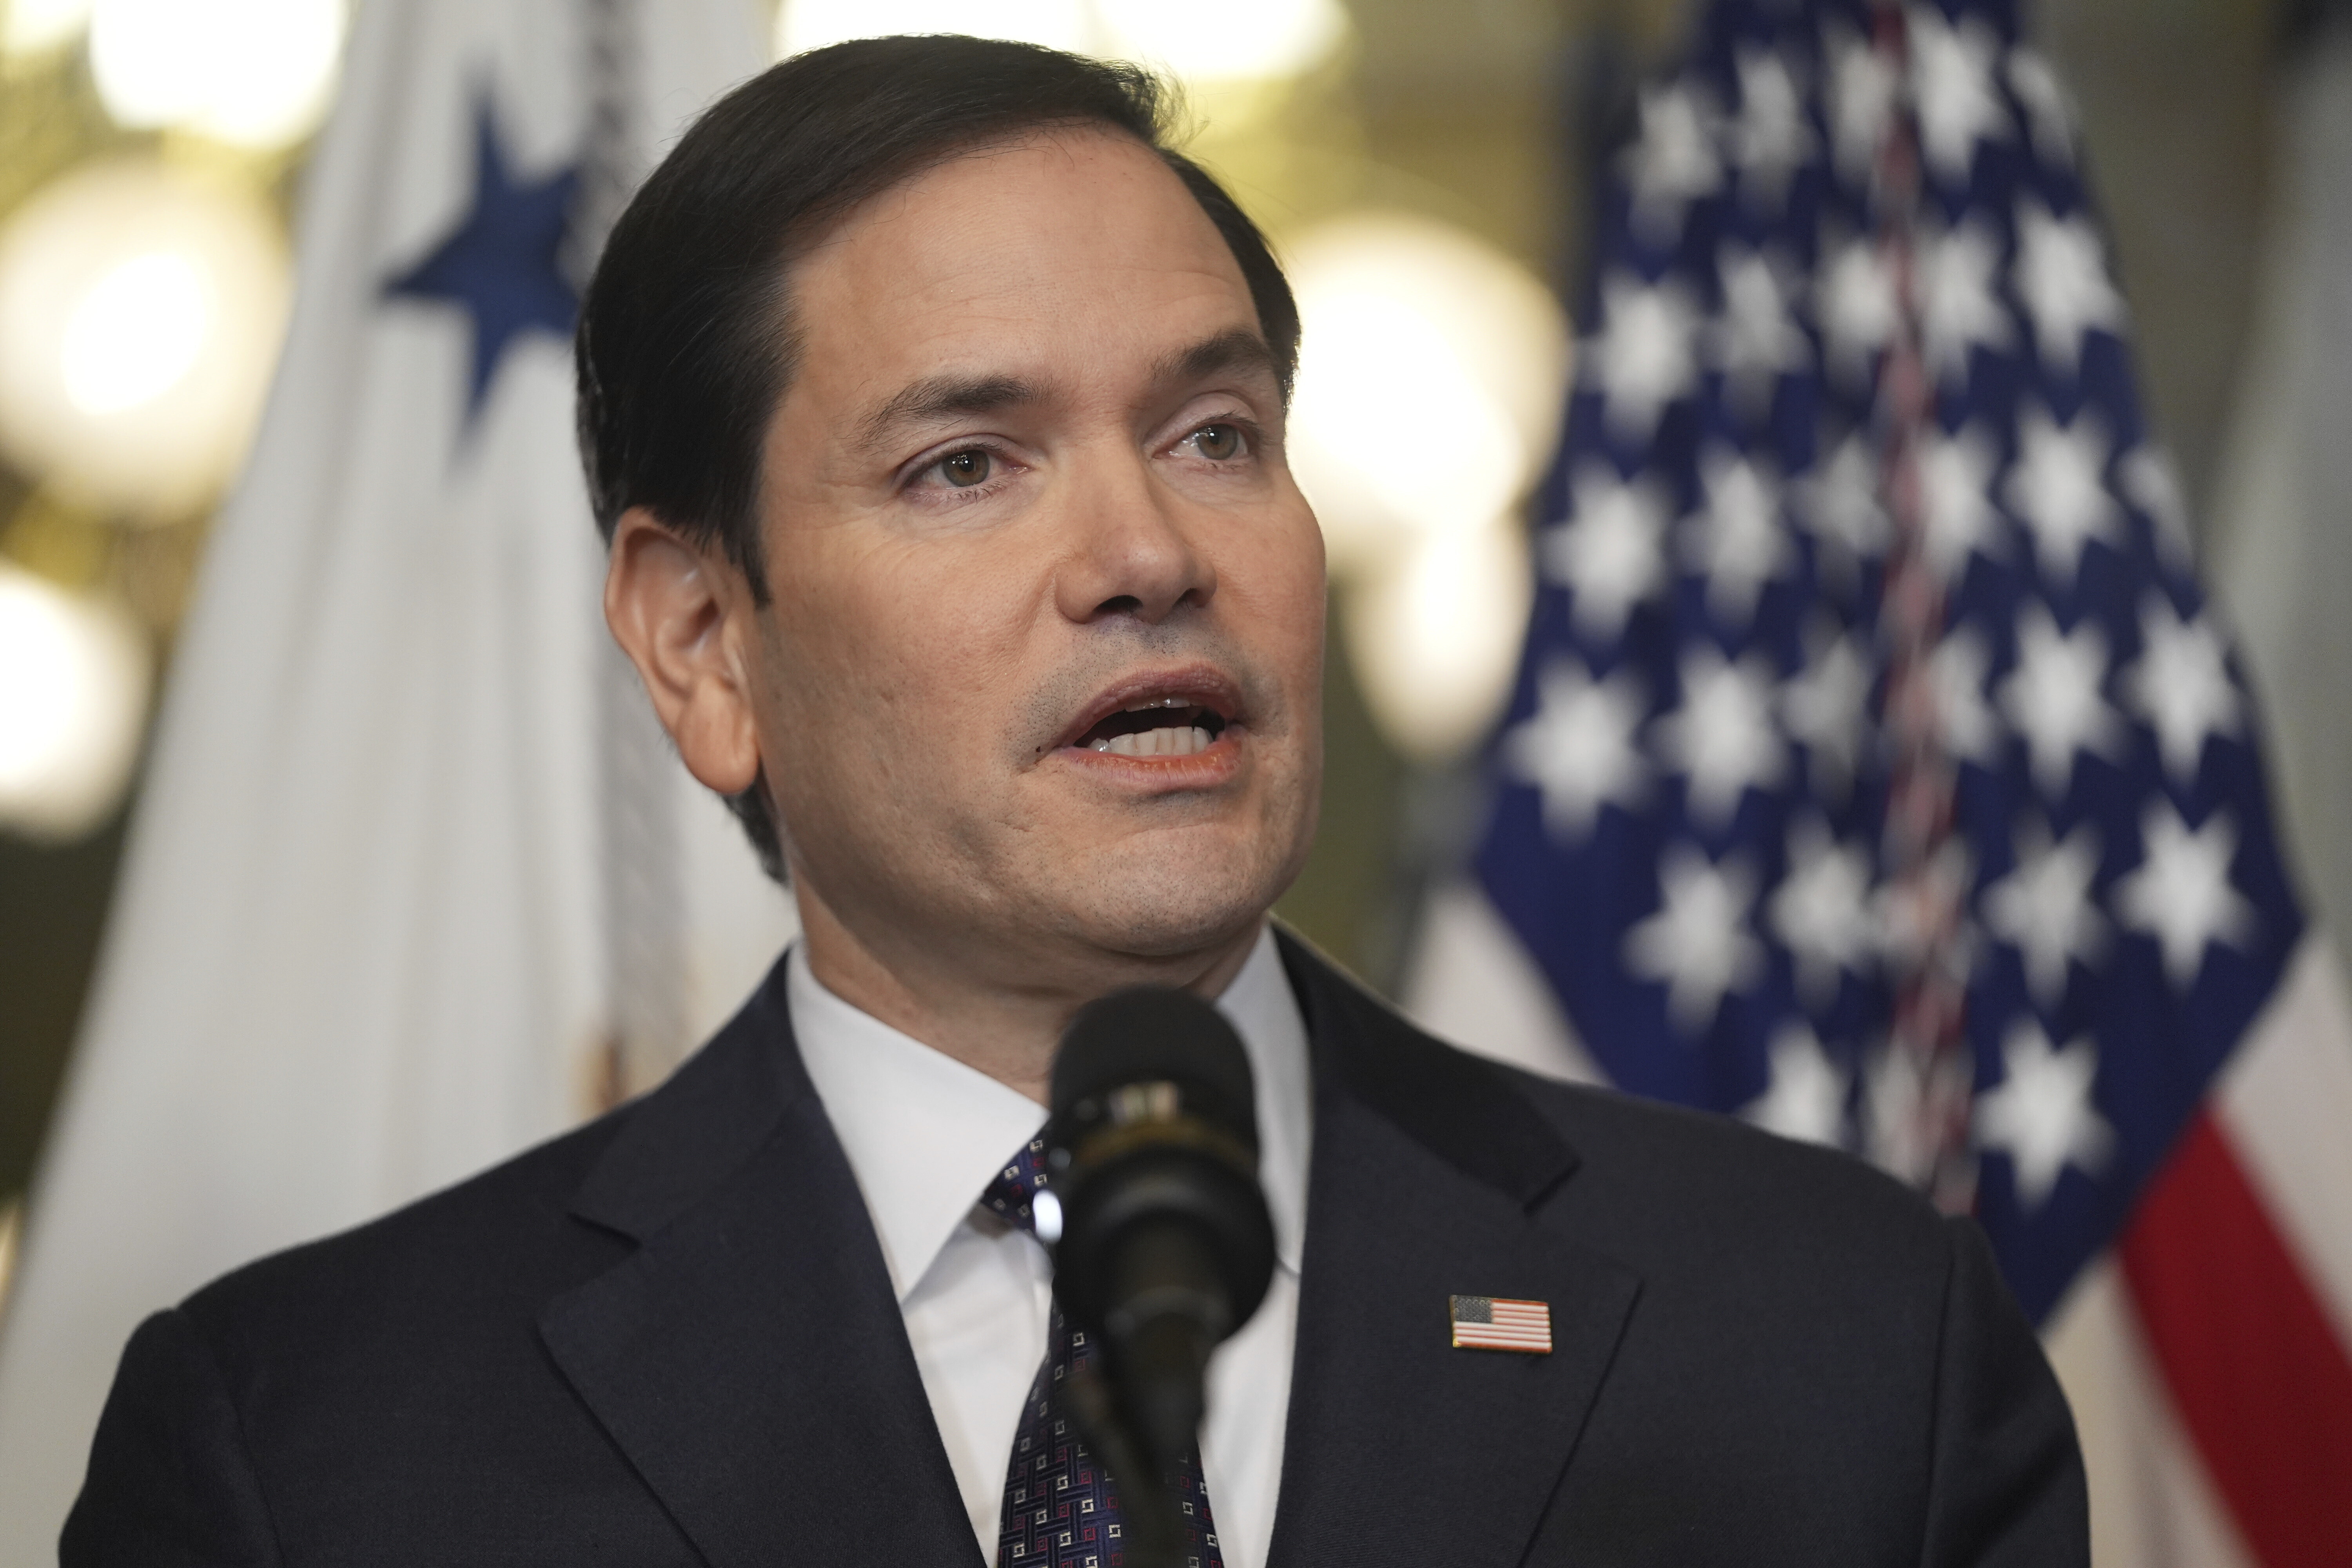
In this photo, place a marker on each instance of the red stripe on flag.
(2261, 1378)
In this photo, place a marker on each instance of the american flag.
(1873, 770)
(1491, 1323)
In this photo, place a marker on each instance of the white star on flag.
(2148, 479)
(1822, 911)
(2043, 907)
(2054, 699)
(1697, 944)
(2048, 114)
(1722, 735)
(1756, 339)
(1736, 539)
(1958, 309)
(1914, 915)
(1958, 519)
(1861, 95)
(1895, 1092)
(2180, 685)
(1644, 357)
(2042, 1116)
(1956, 671)
(1855, 303)
(2062, 275)
(1841, 506)
(1806, 1098)
(1577, 746)
(2055, 487)
(1611, 554)
(2181, 894)
(1822, 706)
(1952, 86)
(1672, 163)
(1770, 140)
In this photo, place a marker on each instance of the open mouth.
(1159, 727)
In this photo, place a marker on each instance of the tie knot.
(1011, 1193)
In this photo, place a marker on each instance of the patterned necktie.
(1060, 1507)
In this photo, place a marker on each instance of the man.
(935, 413)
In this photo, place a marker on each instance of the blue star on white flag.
(503, 262)
(371, 937)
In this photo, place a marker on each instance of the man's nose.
(1131, 552)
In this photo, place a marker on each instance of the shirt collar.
(1263, 1010)
(925, 1134)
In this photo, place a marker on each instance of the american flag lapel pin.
(1491, 1323)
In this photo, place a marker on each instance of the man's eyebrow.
(940, 397)
(1235, 349)
(946, 396)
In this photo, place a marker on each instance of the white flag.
(366, 936)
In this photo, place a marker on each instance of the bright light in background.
(1434, 639)
(812, 24)
(256, 73)
(1429, 383)
(140, 313)
(73, 691)
(31, 26)
(136, 332)
(1203, 41)
(1431, 375)
(1223, 40)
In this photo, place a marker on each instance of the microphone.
(1165, 1246)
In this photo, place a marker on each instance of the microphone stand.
(1162, 1245)
(1152, 1520)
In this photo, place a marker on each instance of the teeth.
(1178, 740)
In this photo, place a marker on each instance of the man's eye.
(966, 468)
(1219, 443)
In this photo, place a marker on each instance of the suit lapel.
(749, 1357)
(1430, 1176)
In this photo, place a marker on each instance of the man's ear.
(676, 609)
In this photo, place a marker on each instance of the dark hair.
(687, 335)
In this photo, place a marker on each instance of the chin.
(1166, 931)
(1168, 902)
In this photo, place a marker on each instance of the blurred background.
(1436, 154)
(1427, 170)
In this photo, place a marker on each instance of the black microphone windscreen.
(1153, 1032)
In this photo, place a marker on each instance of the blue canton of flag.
(1831, 689)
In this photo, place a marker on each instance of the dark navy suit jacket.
(669, 1338)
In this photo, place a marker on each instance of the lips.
(1169, 727)
(1166, 714)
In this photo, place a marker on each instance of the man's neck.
(1008, 1030)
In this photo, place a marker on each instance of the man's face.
(1040, 678)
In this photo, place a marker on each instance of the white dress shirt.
(925, 1135)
